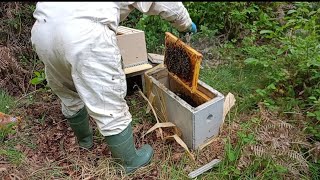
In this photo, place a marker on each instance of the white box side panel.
(177, 113)
(207, 121)
(208, 117)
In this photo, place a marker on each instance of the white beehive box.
(132, 46)
(198, 124)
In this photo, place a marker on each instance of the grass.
(138, 109)
(239, 80)
(260, 167)
(170, 172)
(8, 149)
(8, 146)
(227, 168)
(242, 81)
(236, 79)
(14, 156)
(315, 169)
(6, 102)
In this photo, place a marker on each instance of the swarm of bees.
(178, 61)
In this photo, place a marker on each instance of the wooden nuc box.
(132, 46)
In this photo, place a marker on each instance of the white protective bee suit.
(77, 43)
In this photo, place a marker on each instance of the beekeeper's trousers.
(83, 67)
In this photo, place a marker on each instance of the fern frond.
(258, 150)
(298, 157)
(285, 125)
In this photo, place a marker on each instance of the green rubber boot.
(122, 148)
(79, 123)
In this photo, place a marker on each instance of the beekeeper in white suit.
(77, 43)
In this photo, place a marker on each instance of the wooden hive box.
(193, 106)
(199, 117)
(132, 46)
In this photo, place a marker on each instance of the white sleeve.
(173, 12)
(125, 9)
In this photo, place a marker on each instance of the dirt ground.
(44, 137)
(50, 148)
(55, 145)
(48, 143)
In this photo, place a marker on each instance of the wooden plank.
(127, 30)
(156, 58)
(203, 168)
(197, 95)
(137, 68)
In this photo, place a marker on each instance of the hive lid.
(182, 61)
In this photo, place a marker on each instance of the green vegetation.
(270, 53)
(241, 81)
(276, 43)
(6, 102)
(266, 53)
(138, 107)
(13, 155)
(7, 147)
